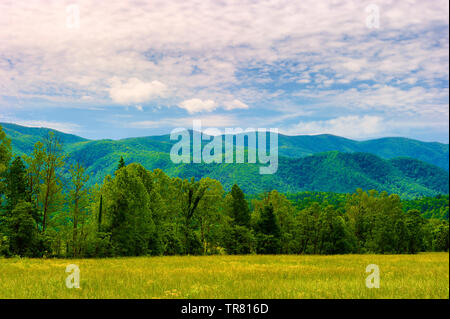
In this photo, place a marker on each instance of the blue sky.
(135, 68)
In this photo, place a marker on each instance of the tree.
(121, 164)
(239, 210)
(16, 184)
(192, 193)
(285, 215)
(238, 237)
(441, 237)
(334, 236)
(129, 212)
(22, 230)
(79, 201)
(5, 157)
(307, 230)
(269, 232)
(357, 214)
(35, 165)
(383, 219)
(209, 213)
(168, 199)
(100, 212)
(414, 224)
(50, 189)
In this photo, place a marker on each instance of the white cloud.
(235, 104)
(353, 65)
(170, 40)
(383, 98)
(197, 105)
(213, 121)
(348, 126)
(205, 49)
(135, 91)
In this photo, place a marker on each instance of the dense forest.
(49, 210)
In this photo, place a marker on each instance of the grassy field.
(401, 276)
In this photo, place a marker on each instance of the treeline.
(436, 207)
(47, 210)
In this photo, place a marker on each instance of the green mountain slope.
(340, 171)
(289, 146)
(329, 172)
(389, 147)
(23, 138)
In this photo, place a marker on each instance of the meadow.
(424, 275)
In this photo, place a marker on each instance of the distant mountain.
(314, 163)
(289, 146)
(23, 138)
(388, 147)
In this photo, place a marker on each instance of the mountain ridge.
(435, 153)
(331, 170)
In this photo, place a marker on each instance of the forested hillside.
(23, 139)
(343, 168)
(47, 210)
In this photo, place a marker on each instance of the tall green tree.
(79, 202)
(238, 235)
(209, 214)
(16, 184)
(192, 193)
(23, 231)
(269, 232)
(334, 237)
(100, 213)
(121, 164)
(238, 207)
(307, 229)
(5, 157)
(129, 212)
(35, 167)
(51, 188)
(441, 237)
(414, 226)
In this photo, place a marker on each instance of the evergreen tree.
(16, 184)
(269, 232)
(238, 237)
(239, 207)
(268, 223)
(121, 164)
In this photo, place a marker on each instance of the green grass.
(424, 275)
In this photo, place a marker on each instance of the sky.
(116, 69)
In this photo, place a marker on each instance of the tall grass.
(424, 275)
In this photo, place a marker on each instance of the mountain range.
(408, 167)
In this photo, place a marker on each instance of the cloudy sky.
(114, 69)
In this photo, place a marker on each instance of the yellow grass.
(424, 275)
